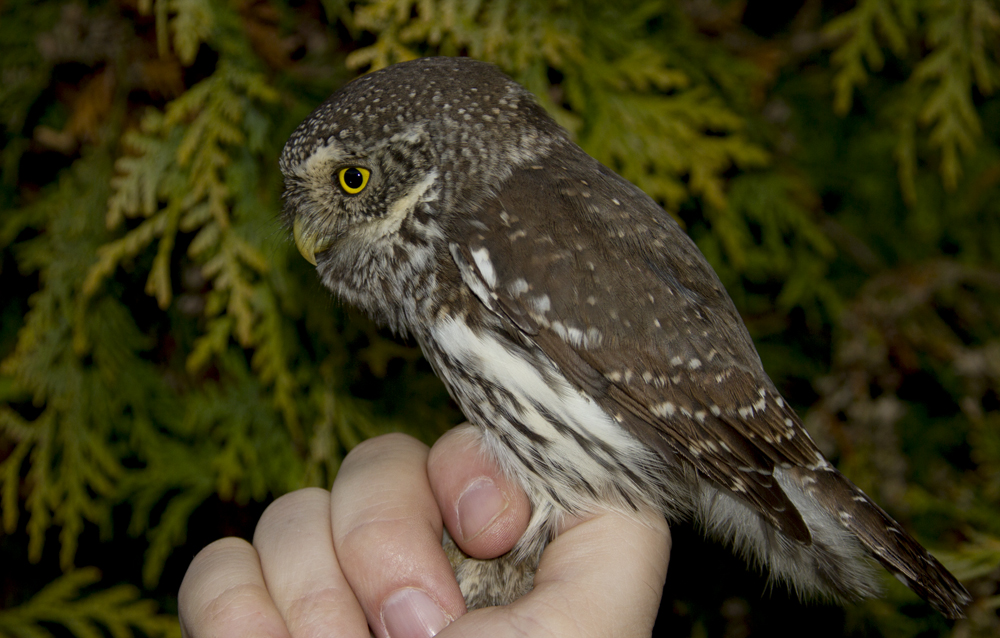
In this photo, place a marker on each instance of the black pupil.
(353, 178)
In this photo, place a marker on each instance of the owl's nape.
(577, 325)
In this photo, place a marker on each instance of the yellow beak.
(305, 241)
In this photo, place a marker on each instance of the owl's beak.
(306, 241)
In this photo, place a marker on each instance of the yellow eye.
(354, 179)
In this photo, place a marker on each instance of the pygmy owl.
(577, 325)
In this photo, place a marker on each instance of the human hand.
(368, 554)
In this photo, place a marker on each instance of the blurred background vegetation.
(168, 363)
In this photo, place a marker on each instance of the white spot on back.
(665, 409)
(482, 258)
(575, 336)
(541, 304)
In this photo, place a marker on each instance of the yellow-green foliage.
(117, 611)
(162, 344)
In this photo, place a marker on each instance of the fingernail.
(478, 506)
(410, 613)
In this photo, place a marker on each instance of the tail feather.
(831, 564)
(847, 530)
(886, 541)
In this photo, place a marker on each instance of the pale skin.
(368, 553)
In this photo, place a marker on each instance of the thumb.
(485, 513)
(601, 577)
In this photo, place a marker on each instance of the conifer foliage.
(163, 346)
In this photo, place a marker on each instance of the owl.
(577, 326)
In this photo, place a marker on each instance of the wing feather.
(654, 339)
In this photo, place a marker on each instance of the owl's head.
(450, 129)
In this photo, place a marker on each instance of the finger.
(223, 595)
(485, 512)
(303, 577)
(602, 577)
(387, 534)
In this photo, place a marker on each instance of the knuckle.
(288, 505)
(378, 447)
(239, 606)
